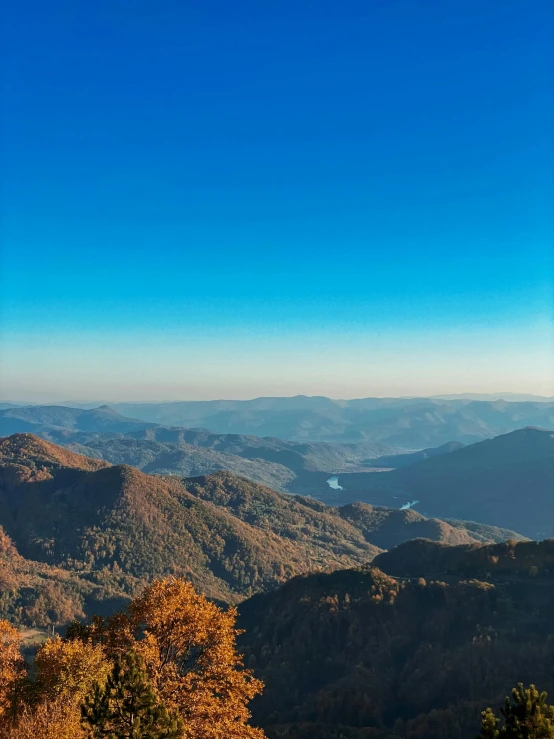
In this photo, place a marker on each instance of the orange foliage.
(69, 668)
(57, 719)
(189, 652)
(12, 668)
(188, 647)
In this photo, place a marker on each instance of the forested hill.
(110, 528)
(509, 560)
(359, 654)
(506, 481)
(37, 418)
(124, 527)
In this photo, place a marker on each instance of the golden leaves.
(12, 667)
(69, 668)
(188, 647)
(189, 651)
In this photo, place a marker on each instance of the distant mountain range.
(79, 535)
(103, 433)
(402, 423)
(60, 418)
(512, 397)
(506, 481)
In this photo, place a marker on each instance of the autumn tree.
(12, 670)
(187, 662)
(189, 650)
(69, 667)
(46, 719)
(526, 715)
(126, 707)
(65, 671)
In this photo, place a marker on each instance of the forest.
(177, 600)
(341, 656)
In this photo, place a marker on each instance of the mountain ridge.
(363, 653)
(404, 423)
(110, 528)
(503, 481)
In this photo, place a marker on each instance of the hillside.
(507, 481)
(360, 654)
(36, 593)
(105, 434)
(188, 452)
(389, 527)
(506, 560)
(115, 527)
(395, 461)
(131, 526)
(181, 459)
(380, 527)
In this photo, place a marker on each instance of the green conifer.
(526, 716)
(126, 707)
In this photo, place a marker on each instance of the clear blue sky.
(206, 199)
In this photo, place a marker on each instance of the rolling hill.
(404, 424)
(109, 528)
(506, 560)
(395, 461)
(105, 434)
(37, 419)
(132, 526)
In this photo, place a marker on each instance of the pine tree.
(127, 707)
(526, 716)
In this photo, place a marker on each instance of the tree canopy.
(165, 668)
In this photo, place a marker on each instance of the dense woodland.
(353, 654)
(359, 654)
(411, 643)
(80, 536)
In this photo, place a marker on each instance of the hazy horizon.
(96, 402)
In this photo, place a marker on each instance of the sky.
(215, 199)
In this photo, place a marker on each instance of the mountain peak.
(28, 450)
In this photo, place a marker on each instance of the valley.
(481, 482)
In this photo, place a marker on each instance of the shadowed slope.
(361, 654)
(507, 481)
(114, 527)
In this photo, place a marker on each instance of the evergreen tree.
(127, 707)
(526, 716)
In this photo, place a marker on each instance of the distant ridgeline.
(406, 423)
(505, 481)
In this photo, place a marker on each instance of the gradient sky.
(231, 199)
